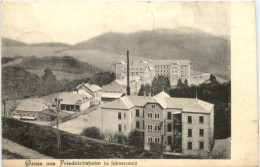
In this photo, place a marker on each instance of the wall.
(110, 121)
(85, 105)
(44, 139)
(195, 139)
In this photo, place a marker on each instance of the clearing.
(76, 126)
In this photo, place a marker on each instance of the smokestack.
(128, 82)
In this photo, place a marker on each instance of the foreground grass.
(222, 149)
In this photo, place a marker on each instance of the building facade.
(140, 68)
(173, 69)
(72, 101)
(93, 90)
(180, 125)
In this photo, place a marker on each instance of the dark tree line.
(17, 83)
(211, 91)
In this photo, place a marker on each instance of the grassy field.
(77, 125)
(222, 149)
(62, 75)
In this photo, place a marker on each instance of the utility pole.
(57, 122)
(161, 125)
(4, 102)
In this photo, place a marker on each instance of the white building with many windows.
(182, 125)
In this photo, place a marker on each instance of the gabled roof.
(164, 100)
(92, 87)
(31, 106)
(162, 95)
(71, 98)
(111, 95)
(122, 103)
(113, 88)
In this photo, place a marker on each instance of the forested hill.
(66, 63)
(207, 52)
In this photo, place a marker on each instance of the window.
(119, 128)
(201, 119)
(189, 145)
(157, 128)
(119, 115)
(125, 127)
(189, 119)
(201, 132)
(157, 140)
(143, 113)
(189, 132)
(150, 115)
(143, 124)
(124, 115)
(153, 106)
(201, 145)
(169, 140)
(150, 127)
(157, 116)
(137, 113)
(169, 127)
(137, 124)
(169, 115)
(149, 139)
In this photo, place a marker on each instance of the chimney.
(149, 94)
(127, 87)
(144, 93)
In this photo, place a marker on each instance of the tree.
(93, 132)
(48, 75)
(179, 83)
(160, 83)
(136, 139)
(145, 89)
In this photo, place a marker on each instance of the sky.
(72, 22)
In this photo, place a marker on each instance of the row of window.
(201, 119)
(120, 128)
(201, 145)
(157, 140)
(190, 132)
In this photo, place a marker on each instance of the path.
(25, 152)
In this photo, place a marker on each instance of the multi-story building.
(140, 68)
(183, 125)
(173, 69)
(93, 90)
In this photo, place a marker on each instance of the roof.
(122, 103)
(93, 88)
(111, 95)
(169, 62)
(83, 92)
(162, 95)
(71, 98)
(31, 106)
(164, 100)
(189, 104)
(112, 88)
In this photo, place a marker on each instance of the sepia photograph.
(116, 80)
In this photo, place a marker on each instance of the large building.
(140, 68)
(186, 124)
(148, 69)
(173, 69)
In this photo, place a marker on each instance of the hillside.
(13, 43)
(208, 53)
(66, 64)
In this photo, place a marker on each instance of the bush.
(93, 132)
(136, 139)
